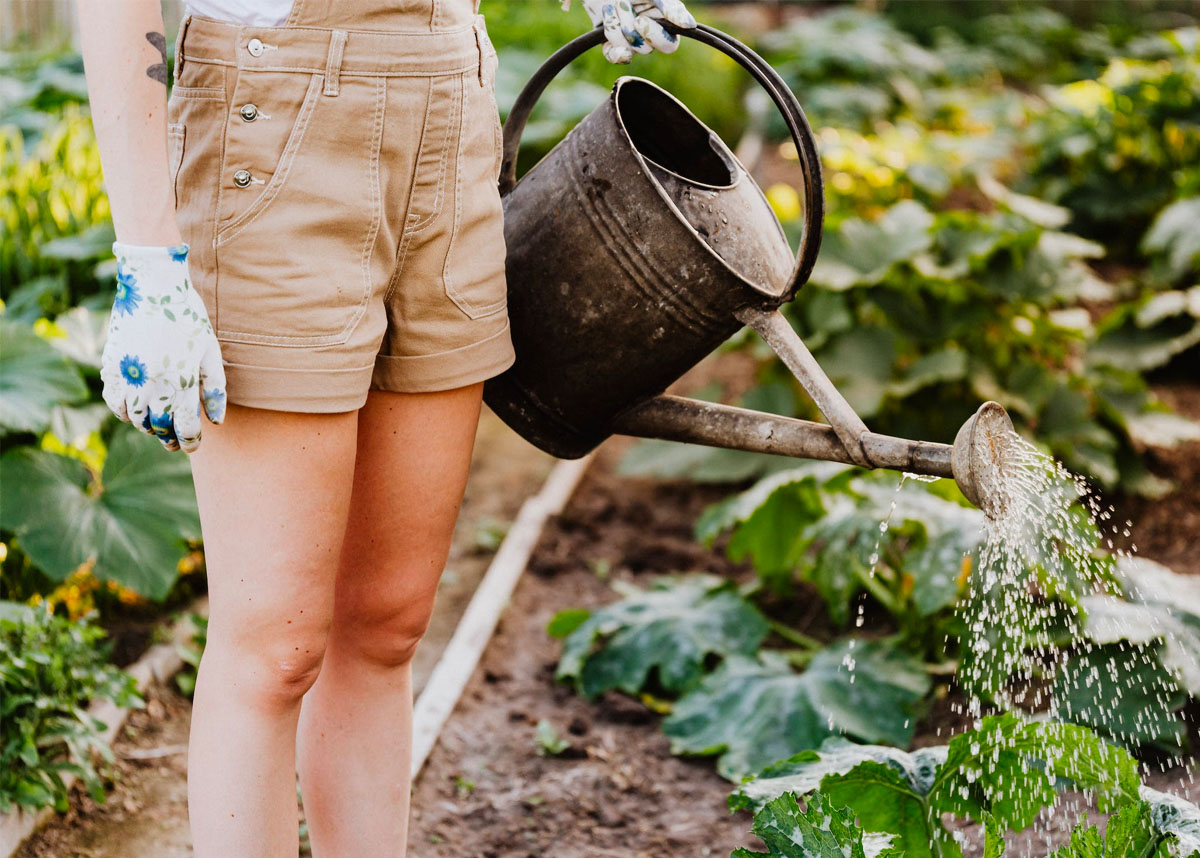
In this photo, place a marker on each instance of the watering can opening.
(665, 133)
(704, 185)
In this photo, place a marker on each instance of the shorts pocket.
(473, 272)
(293, 265)
(175, 137)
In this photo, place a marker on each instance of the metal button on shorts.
(356, 240)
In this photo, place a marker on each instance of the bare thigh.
(274, 493)
(414, 454)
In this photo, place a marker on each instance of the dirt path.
(145, 815)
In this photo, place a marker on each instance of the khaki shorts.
(338, 190)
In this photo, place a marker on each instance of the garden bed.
(617, 790)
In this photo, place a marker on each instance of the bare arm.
(124, 56)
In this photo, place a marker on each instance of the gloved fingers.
(187, 418)
(616, 54)
(627, 19)
(161, 424)
(212, 383)
(616, 46)
(113, 392)
(655, 36)
(673, 10)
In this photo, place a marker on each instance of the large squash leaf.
(34, 378)
(1176, 819)
(753, 711)
(821, 830)
(1123, 691)
(989, 770)
(673, 627)
(131, 520)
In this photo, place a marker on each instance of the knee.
(271, 667)
(384, 632)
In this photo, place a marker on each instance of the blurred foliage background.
(1013, 195)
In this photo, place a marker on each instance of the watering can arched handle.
(763, 74)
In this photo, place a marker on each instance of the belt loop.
(333, 63)
(183, 25)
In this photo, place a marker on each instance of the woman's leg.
(414, 452)
(274, 491)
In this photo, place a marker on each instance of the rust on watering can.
(636, 247)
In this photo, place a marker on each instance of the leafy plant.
(1148, 333)
(821, 524)
(1118, 149)
(751, 711)
(821, 829)
(670, 629)
(548, 741)
(191, 653)
(56, 219)
(36, 379)
(128, 517)
(50, 669)
(1007, 770)
(1173, 239)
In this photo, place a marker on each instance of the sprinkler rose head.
(981, 455)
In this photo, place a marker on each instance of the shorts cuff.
(445, 370)
(305, 390)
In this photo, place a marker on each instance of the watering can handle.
(767, 77)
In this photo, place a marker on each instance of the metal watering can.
(636, 247)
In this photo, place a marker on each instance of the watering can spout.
(977, 460)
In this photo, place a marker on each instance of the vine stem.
(793, 636)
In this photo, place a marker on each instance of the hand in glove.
(632, 26)
(161, 362)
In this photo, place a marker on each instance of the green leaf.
(34, 378)
(821, 830)
(753, 711)
(1176, 819)
(739, 508)
(1110, 619)
(1130, 834)
(673, 627)
(83, 334)
(565, 622)
(948, 364)
(1148, 334)
(803, 773)
(988, 770)
(858, 252)
(133, 522)
(1174, 235)
(1122, 691)
(993, 838)
(93, 243)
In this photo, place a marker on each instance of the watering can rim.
(737, 170)
(766, 76)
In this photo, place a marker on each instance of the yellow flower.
(785, 201)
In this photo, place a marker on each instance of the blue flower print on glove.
(161, 351)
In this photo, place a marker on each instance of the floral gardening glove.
(631, 26)
(161, 361)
